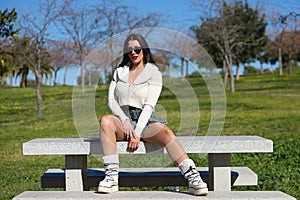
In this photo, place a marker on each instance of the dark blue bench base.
(126, 179)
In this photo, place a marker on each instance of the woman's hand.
(133, 140)
(133, 143)
(128, 129)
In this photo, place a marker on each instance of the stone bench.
(89, 195)
(218, 148)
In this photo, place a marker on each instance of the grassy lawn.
(266, 106)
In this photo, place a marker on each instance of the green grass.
(266, 106)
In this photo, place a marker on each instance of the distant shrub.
(250, 70)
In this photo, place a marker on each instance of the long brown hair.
(147, 58)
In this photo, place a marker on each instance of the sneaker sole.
(108, 190)
(199, 192)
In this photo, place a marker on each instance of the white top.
(143, 93)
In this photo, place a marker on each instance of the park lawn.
(266, 106)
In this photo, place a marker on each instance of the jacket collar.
(144, 76)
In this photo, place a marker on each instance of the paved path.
(90, 195)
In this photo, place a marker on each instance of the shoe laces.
(193, 176)
(110, 172)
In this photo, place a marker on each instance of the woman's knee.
(168, 134)
(107, 121)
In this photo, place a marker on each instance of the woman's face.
(135, 52)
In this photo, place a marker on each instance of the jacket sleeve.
(154, 90)
(112, 102)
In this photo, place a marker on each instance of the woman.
(133, 94)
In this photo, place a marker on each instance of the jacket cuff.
(138, 131)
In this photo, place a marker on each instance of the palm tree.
(24, 57)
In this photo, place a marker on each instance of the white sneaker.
(196, 184)
(108, 185)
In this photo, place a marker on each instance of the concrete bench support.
(76, 169)
(219, 172)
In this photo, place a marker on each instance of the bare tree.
(37, 27)
(181, 48)
(61, 56)
(289, 38)
(81, 25)
(278, 29)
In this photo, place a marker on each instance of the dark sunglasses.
(137, 50)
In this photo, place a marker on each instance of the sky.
(179, 14)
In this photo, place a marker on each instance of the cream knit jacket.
(143, 93)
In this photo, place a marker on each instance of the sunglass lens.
(137, 50)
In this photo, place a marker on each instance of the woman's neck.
(137, 66)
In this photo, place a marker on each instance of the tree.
(253, 37)
(163, 60)
(230, 34)
(94, 78)
(8, 24)
(6, 58)
(81, 25)
(182, 49)
(23, 53)
(8, 31)
(61, 56)
(37, 28)
(289, 49)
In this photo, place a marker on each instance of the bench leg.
(219, 176)
(75, 172)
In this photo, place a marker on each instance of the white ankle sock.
(114, 158)
(185, 165)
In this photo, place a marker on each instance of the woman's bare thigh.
(158, 134)
(118, 127)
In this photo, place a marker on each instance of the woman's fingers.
(129, 133)
(133, 145)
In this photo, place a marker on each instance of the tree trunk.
(65, 75)
(24, 74)
(232, 89)
(182, 68)
(238, 72)
(39, 95)
(280, 61)
(55, 78)
(11, 80)
(90, 78)
(39, 84)
(82, 78)
(261, 67)
(225, 69)
(228, 59)
(186, 68)
(289, 67)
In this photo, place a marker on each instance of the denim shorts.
(134, 113)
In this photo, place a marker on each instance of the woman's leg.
(111, 131)
(160, 134)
